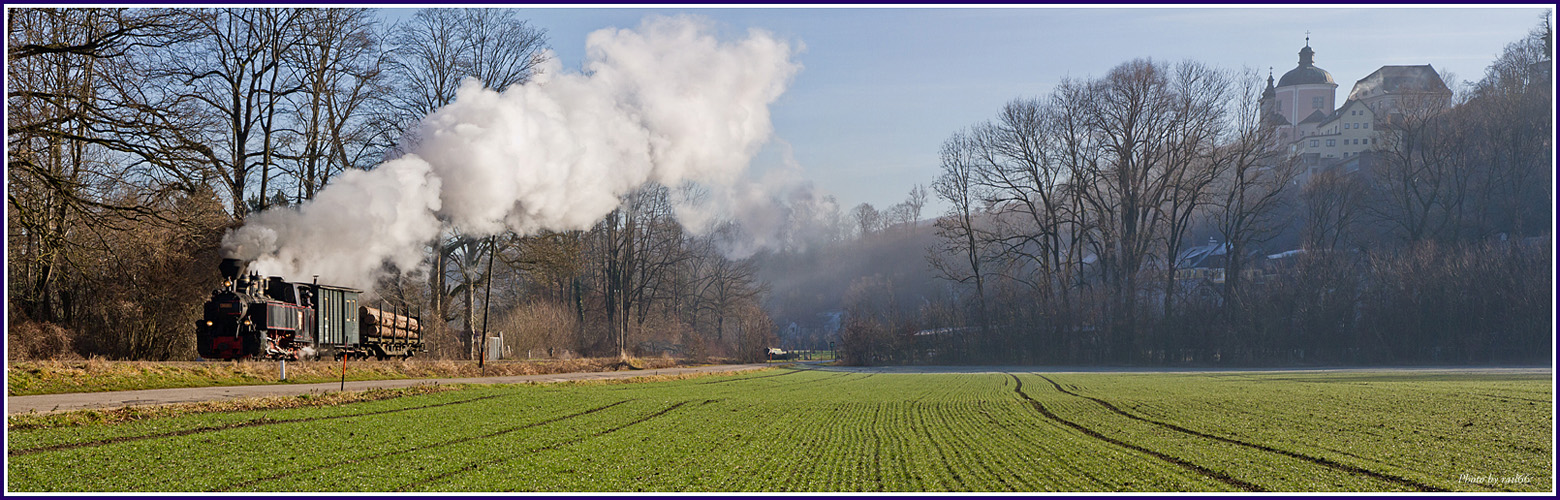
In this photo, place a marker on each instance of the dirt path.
(82, 400)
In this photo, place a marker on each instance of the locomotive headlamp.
(208, 323)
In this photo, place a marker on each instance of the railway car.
(255, 317)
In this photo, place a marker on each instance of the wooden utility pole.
(486, 301)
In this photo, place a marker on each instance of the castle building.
(1308, 126)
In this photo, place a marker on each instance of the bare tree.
(1078, 152)
(916, 201)
(1191, 163)
(636, 248)
(834, 221)
(1017, 170)
(901, 215)
(1421, 188)
(962, 237)
(722, 284)
(236, 71)
(1513, 146)
(1132, 110)
(87, 149)
(1251, 188)
(341, 70)
(868, 219)
(439, 47)
(1332, 203)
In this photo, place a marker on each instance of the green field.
(816, 430)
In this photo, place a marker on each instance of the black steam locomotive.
(254, 317)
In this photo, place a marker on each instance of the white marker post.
(284, 369)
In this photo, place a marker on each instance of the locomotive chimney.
(232, 269)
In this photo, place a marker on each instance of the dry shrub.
(442, 342)
(38, 340)
(141, 293)
(661, 335)
(539, 329)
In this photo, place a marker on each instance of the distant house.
(952, 331)
(1205, 265)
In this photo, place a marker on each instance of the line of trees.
(137, 137)
(1072, 215)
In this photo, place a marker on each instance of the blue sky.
(881, 88)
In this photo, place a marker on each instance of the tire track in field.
(553, 446)
(1220, 476)
(792, 372)
(1081, 472)
(838, 378)
(418, 448)
(1325, 462)
(841, 378)
(214, 428)
(631, 387)
(1384, 437)
(1504, 398)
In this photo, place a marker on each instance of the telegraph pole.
(486, 302)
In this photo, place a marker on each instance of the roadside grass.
(26, 378)
(111, 416)
(819, 430)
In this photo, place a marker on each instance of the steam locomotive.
(255, 317)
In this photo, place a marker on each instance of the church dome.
(1306, 72)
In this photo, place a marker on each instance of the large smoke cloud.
(665, 103)
(777, 210)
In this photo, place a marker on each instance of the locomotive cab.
(254, 317)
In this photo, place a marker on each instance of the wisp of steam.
(665, 103)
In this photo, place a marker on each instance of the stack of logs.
(389, 326)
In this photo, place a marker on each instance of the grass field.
(815, 430)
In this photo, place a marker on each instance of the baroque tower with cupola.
(1303, 97)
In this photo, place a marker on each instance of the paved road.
(83, 400)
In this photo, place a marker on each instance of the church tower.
(1304, 96)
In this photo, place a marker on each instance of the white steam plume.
(665, 103)
(778, 210)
